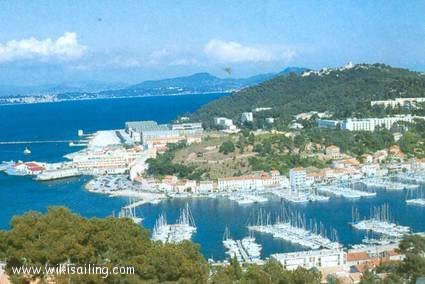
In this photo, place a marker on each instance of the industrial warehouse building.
(153, 135)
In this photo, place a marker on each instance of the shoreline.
(120, 97)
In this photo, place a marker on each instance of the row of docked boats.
(245, 250)
(299, 196)
(293, 227)
(245, 198)
(344, 191)
(182, 230)
(379, 222)
(387, 184)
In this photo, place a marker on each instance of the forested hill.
(345, 91)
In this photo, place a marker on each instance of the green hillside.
(343, 91)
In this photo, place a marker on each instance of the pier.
(34, 142)
(345, 192)
(379, 222)
(175, 233)
(245, 250)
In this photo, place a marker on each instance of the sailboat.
(129, 211)
(27, 151)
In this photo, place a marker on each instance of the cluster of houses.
(344, 167)
(257, 181)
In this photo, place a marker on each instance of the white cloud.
(234, 52)
(65, 47)
(185, 62)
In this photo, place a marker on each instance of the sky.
(50, 42)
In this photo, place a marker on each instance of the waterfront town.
(118, 162)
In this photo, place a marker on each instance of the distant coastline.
(111, 97)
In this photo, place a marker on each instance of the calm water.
(62, 120)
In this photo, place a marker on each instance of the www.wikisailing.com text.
(69, 269)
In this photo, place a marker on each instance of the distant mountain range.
(196, 83)
(69, 87)
(205, 82)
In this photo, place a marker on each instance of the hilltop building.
(310, 114)
(226, 124)
(398, 102)
(327, 123)
(366, 124)
(270, 120)
(260, 109)
(247, 117)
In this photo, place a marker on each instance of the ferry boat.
(25, 169)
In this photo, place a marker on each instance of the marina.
(416, 201)
(379, 223)
(345, 192)
(129, 211)
(297, 196)
(387, 184)
(174, 233)
(80, 194)
(292, 227)
(413, 177)
(243, 198)
(245, 250)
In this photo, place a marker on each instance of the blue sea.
(60, 121)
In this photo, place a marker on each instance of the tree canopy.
(60, 236)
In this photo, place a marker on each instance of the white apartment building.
(259, 109)
(226, 123)
(223, 121)
(261, 181)
(398, 102)
(370, 124)
(312, 258)
(270, 120)
(327, 123)
(297, 178)
(366, 124)
(238, 183)
(247, 117)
